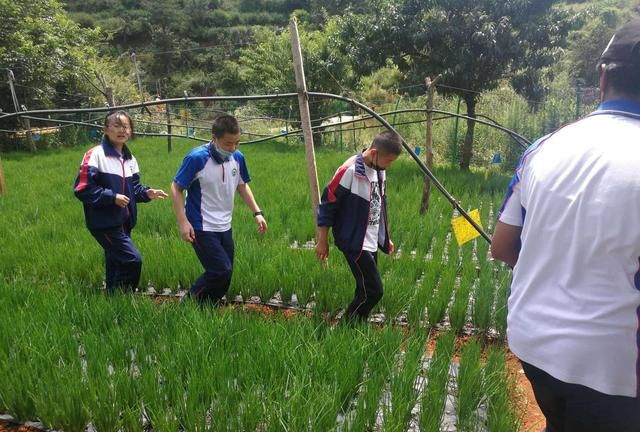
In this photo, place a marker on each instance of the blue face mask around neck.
(225, 154)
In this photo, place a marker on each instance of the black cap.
(624, 45)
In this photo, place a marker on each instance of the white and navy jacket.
(103, 174)
(345, 206)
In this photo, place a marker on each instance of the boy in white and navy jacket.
(211, 174)
(354, 204)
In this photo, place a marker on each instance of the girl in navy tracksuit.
(354, 205)
(108, 185)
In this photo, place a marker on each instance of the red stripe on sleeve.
(335, 181)
(84, 172)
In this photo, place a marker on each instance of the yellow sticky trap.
(463, 230)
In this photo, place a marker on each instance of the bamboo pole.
(305, 117)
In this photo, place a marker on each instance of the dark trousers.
(368, 284)
(122, 260)
(576, 408)
(215, 251)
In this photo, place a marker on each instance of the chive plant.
(264, 264)
(425, 292)
(498, 388)
(108, 360)
(402, 386)
(469, 388)
(433, 398)
(483, 301)
(380, 366)
(440, 299)
(504, 284)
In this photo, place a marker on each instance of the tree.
(106, 73)
(587, 44)
(267, 67)
(46, 51)
(474, 45)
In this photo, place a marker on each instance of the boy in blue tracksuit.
(211, 174)
(354, 205)
(108, 184)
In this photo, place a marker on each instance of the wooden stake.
(168, 111)
(305, 117)
(109, 95)
(3, 187)
(428, 148)
(139, 80)
(23, 121)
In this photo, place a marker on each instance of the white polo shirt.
(211, 182)
(574, 304)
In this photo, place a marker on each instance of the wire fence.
(338, 123)
(167, 115)
(39, 115)
(191, 117)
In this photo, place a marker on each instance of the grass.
(52, 245)
(73, 356)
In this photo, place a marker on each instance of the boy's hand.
(392, 248)
(186, 232)
(122, 200)
(156, 194)
(262, 224)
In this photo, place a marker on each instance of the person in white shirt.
(569, 227)
(211, 174)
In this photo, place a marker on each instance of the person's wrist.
(258, 213)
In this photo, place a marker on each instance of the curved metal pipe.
(354, 102)
(415, 157)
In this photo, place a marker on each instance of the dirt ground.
(532, 417)
(6, 426)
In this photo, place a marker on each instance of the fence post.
(30, 142)
(305, 116)
(168, 112)
(286, 125)
(186, 112)
(353, 128)
(578, 92)
(428, 150)
(109, 93)
(454, 138)
(24, 122)
(140, 89)
(340, 123)
(3, 187)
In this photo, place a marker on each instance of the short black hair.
(225, 123)
(624, 78)
(621, 59)
(387, 142)
(114, 115)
